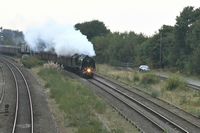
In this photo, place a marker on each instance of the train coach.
(10, 50)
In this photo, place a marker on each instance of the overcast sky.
(145, 16)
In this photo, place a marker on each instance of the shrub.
(155, 94)
(174, 82)
(31, 61)
(149, 78)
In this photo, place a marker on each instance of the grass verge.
(31, 61)
(75, 100)
(84, 112)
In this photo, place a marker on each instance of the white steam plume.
(63, 39)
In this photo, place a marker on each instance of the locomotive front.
(87, 65)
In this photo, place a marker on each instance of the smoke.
(61, 39)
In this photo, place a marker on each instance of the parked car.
(144, 68)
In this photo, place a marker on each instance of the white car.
(144, 68)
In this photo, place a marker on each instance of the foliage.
(92, 29)
(115, 48)
(12, 37)
(174, 83)
(31, 61)
(75, 100)
(175, 47)
(183, 25)
(182, 97)
(136, 77)
(149, 78)
(155, 94)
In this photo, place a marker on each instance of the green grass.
(149, 78)
(78, 103)
(136, 77)
(175, 82)
(31, 61)
(83, 111)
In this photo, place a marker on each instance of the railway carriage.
(10, 50)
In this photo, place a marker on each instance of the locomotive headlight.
(88, 70)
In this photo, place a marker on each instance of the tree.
(187, 17)
(92, 29)
(167, 43)
(12, 37)
(115, 48)
(193, 40)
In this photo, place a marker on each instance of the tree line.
(174, 47)
(11, 37)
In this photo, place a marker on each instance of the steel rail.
(17, 97)
(139, 95)
(29, 95)
(3, 89)
(166, 120)
(127, 104)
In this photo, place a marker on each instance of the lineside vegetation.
(174, 90)
(84, 112)
(31, 61)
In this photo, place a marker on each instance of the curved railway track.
(160, 116)
(2, 93)
(23, 118)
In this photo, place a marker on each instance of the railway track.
(196, 87)
(23, 117)
(2, 92)
(163, 118)
(151, 126)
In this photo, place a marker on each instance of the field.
(173, 90)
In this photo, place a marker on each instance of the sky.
(140, 16)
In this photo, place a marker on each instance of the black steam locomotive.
(81, 64)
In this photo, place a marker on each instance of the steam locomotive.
(81, 64)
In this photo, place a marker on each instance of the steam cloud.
(62, 39)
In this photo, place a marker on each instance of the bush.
(155, 94)
(31, 61)
(175, 82)
(149, 78)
